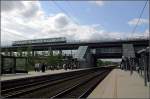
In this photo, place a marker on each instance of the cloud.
(26, 9)
(98, 3)
(11, 5)
(147, 33)
(139, 35)
(141, 21)
(32, 23)
(61, 20)
(31, 9)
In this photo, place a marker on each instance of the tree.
(103, 63)
(107, 62)
(99, 63)
(51, 60)
(54, 60)
(59, 58)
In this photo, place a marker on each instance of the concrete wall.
(88, 62)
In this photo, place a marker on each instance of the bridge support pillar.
(129, 55)
(14, 66)
(50, 51)
(90, 60)
(11, 53)
(148, 66)
(32, 52)
(60, 52)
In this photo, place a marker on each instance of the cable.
(69, 4)
(139, 18)
(66, 13)
(10, 37)
(15, 34)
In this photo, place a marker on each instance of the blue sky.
(112, 15)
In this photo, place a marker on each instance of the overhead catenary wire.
(66, 13)
(10, 37)
(134, 29)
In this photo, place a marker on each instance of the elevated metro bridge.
(138, 44)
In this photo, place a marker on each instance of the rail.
(51, 86)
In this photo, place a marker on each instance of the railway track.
(83, 89)
(57, 88)
(8, 84)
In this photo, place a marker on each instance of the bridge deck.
(33, 73)
(120, 84)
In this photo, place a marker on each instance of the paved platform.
(33, 73)
(120, 84)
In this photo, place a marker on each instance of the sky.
(75, 20)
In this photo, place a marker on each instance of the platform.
(33, 73)
(120, 84)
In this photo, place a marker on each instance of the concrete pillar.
(141, 64)
(14, 66)
(148, 66)
(90, 61)
(11, 53)
(145, 71)
(60, 52)
(131, 65)
(21, 53)
(71, 52)
(35, 53)
(126, 64)
(2, 64)
(32, 52)
(95, 61)
(50, 51)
